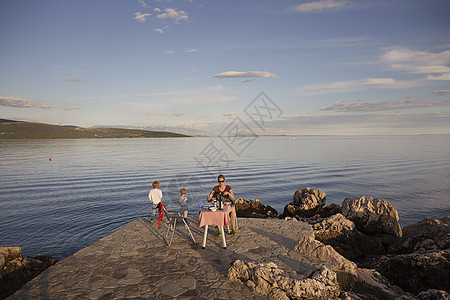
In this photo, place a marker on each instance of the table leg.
(223, 238)
(205, 234)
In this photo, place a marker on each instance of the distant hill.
(10, 129)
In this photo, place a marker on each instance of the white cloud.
(417, 62)
(25, 103)
(364, 106)
(159, 30)
(439, 77)
(247, 80)
(234, 74)
(157, 10)
(191, 50)
(176, 16)
(142, 2)
(319, 5)
(358, 85)
(232, 114)
(442, 92)
(74, 79)
(173, 114)
(141, 17)
(169, 52)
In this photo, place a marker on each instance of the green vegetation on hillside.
(25, 130)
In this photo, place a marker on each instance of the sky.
(343, 67)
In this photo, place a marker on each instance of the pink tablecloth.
(218, 217)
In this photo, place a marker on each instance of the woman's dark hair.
(220, 176)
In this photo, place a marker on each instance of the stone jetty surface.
(303, 255)
(134, 262)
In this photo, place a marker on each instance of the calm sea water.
(90, 188)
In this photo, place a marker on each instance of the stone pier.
(135, 262)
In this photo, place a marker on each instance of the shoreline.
(134, 261)
(310, 251)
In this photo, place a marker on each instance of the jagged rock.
(332, 227)
(329, 210)
(8, 254)
(17, 270)
(310, 247)
(340, 233)
(352, 296)
(372, 215)
(366, 283)
(415, 272)
(428, 234)
(433, 295)
(428, 295)
(269, 280)
(254, 209)
(306, 202)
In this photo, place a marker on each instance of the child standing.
(155, 196)
(183, 203)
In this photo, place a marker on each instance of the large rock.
(367, 284)
(306, 202)
(254, 209)
(17, 270)
(415, 272)
(315, 249)
(428, 234)
(332, 227)
(8, 254)
(427, 295)
(268, 280)
(372, 215)
(420, 260)
(340, 233)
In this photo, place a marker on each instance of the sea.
(59, 196)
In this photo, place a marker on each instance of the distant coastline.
(11, 129)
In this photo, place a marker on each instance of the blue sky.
(331, 66)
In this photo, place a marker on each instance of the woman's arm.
(230, 193)
(210, 195)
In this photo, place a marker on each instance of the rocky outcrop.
(332, 227)
(254, 209)
(329, 210)
(427, 235)
(366, 230)
(371, 215)
(421, 259)
(268, 280)
(306, 203)
(315, 249)
(368, 284)
(341, 233)
(428, 295)
(17, 270)
(415, 272)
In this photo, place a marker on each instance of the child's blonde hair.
(155, 184)
(183, 191)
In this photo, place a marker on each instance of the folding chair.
(172, 216)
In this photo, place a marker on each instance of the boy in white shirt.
(155, 196)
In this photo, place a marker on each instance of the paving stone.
(172, 289)
(135, 262)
